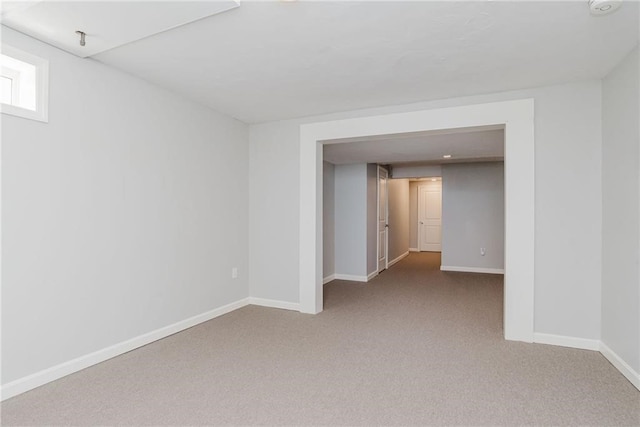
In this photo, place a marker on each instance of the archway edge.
(516, 116)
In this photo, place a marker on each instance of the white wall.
(328, 220)
(568, 203)
(351, 219)
(398, 218)
(620, 210)
(372, 218)
(473, 215)
(124, 214)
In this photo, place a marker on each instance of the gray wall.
(568, 246)
(473, 215)
(417, 171)
(122, 215)
(356, 219)
(328, 220)
(372, 218)
(620, 245)
(351, 219)
(398, 218)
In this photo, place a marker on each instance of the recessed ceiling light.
(603, 7)
(447, 156)
(433, 179)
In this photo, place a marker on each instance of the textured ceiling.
(276, 60)
(106, 24)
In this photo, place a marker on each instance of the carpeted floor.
(415, 346)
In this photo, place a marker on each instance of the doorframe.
(516, 116)
(421, 184)
(386, 234)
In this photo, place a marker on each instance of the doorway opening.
(430, 215)
(517, 119)
(383, 220)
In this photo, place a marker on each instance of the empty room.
(186, 241)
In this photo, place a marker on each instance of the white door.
(430, 216)
(383, 216)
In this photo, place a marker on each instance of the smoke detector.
(603, 7)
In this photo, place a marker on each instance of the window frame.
(14, 76)
(41, 112)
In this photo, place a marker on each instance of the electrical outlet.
(482, 251)
(234, 273)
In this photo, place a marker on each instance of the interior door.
(430, 216)
(383, 217)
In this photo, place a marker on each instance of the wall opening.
(517, 117)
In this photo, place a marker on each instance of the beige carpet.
(413, 347)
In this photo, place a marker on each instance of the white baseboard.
(354, 278)
(328, 279)
(620, 365)
(398, 259)
(589, 344)
(285, 305)
(414, 250)
(472, 269)
(564, 341)
(351, 277)
(45, 376)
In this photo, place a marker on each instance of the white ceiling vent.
(105, 24)
(603, 7)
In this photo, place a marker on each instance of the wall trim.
(472, 269)
(398, 259)
(350, 277)
(354, 278)
(620, 365)
(414, 250)
(285, 305)
(328, 279)
(53, 373)
(517, 116)
(48, 375)
(565, 341)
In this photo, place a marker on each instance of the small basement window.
(24, 84)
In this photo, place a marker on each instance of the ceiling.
(276, 60)
(420, 148)
(107, 24)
